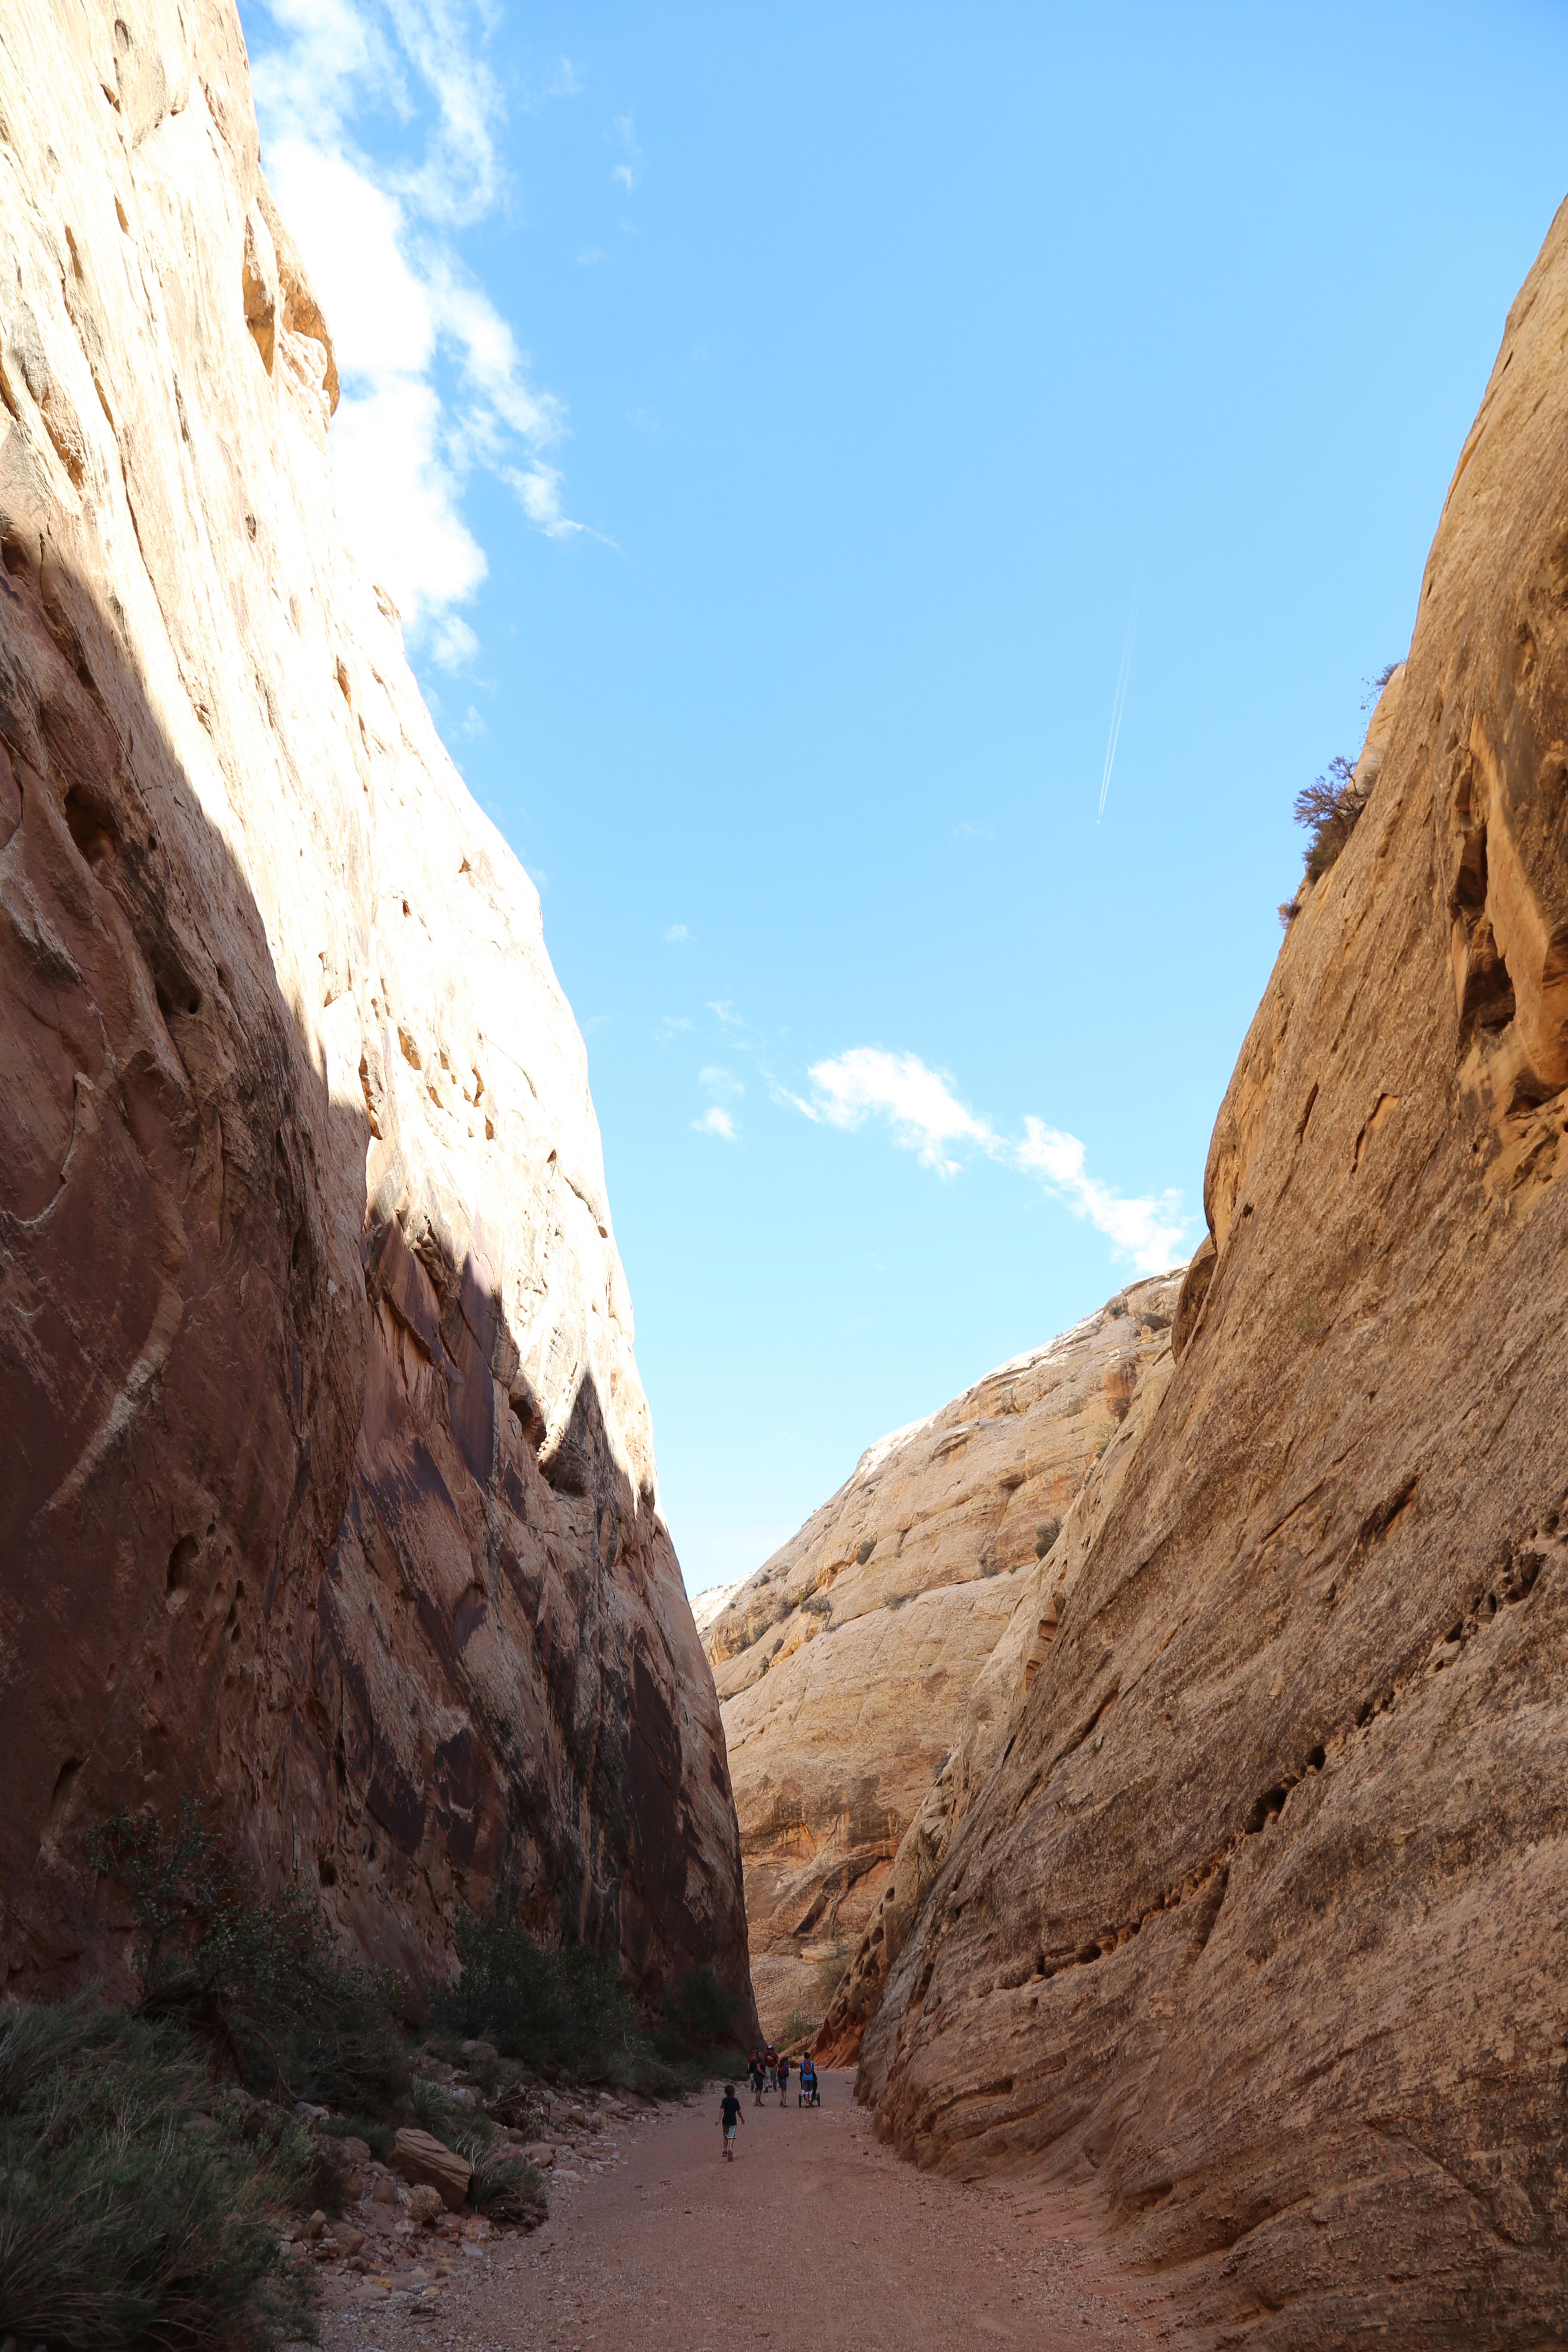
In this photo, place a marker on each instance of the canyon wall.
(1257, 1923)
(856, 1662)
(329, 1490)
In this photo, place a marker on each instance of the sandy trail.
(816, 2236)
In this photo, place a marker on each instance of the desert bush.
(1309, 1321)
(1046, 1535)
(829, 1975)
(260, 1977)
(700, 2010)
(504, 2185)
(864, 1551)
(120, 2226)
(1329, 808)
(797, 2026)
(548, 2004)
(820, 1604)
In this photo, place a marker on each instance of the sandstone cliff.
(855, 1661)
(1257, 1922)
(328, 1483)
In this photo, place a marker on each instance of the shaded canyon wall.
(328, 1488)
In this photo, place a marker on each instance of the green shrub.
(548, 2004)
(118, 2225)
(700, 2010)
(797, 2026)
(1045, 1537)
(261, 1979)
(504, 2184)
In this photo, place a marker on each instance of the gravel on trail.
(814, 2236)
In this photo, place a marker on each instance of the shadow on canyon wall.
(275, 1526)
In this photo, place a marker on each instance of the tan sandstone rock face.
(854, 1662)
(328, 1489)
(1259, 1923)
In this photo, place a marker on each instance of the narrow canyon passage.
(816, 2236)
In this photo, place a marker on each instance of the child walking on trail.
(729, 2116)
(784, 2081)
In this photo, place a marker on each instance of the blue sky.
(787, 434)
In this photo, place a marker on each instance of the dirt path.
(814, 2236)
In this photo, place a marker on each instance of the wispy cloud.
(715, 1121)
(472, 724)
(925, 1114)
(454, 644)
(928, 1117)
(720, 1082)
(434, 382)
(676, 935)
(973, 833)
(628, 171)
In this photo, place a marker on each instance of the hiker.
(772, 2067)
(756, 2073)
(784, 2080)
(729, 2116)
(806, 2093)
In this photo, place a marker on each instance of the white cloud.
(927, 1117)
(720, 1082)
(1152, 1232)
(472, 723)
(592, 256)
(973, 833)
(455, 644)
(676, 935)
(715, 1121)
(433, 384)
(925, 1114)
(727, 1014)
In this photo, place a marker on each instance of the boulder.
(424, 2162)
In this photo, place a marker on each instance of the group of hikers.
(767, 2069)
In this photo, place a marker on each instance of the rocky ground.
(815, 2234)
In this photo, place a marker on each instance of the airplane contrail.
(1117, 709)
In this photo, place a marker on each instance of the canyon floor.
(816, 2236)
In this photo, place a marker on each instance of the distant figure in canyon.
(783, 2080)
(729, 2116)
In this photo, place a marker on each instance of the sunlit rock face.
(1257, 1920)
(329, 1486)
(855, 1661)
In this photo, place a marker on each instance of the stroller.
(806, 2093)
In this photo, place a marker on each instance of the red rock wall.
(1260, 1924)
(326, 1484)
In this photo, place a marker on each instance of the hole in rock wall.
(90, 826)
(64, 1783)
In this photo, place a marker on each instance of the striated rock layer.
(856, 1662)
(328, 1486)
(1260, 1920)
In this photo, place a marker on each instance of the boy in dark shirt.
(729, 2116)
